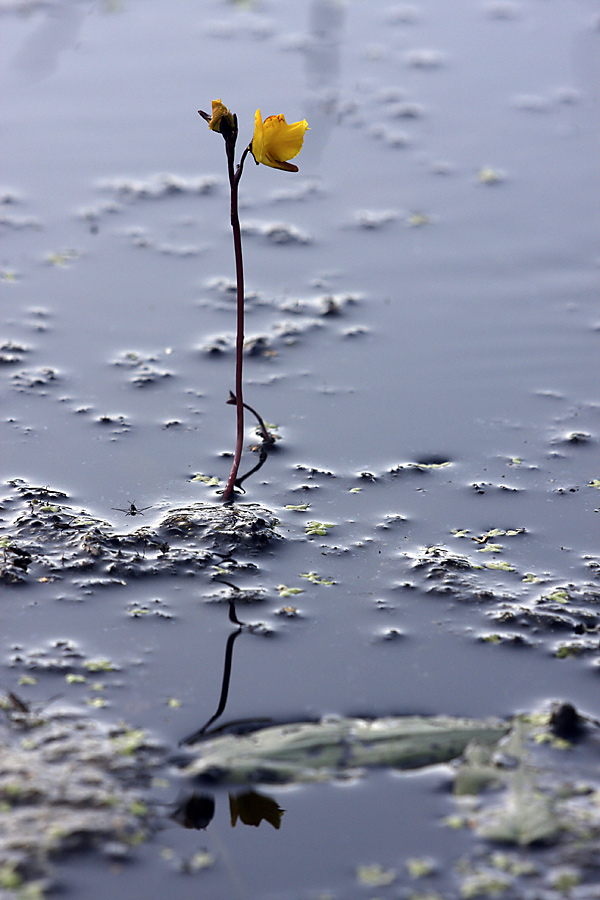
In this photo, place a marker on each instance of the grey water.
(424, 299)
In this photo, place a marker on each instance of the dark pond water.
(423, 330)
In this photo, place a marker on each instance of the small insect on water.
(132, 509)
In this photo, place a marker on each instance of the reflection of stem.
(264, 431)
(262, 455)
(234, 179)
(233, 615)
(192, 738)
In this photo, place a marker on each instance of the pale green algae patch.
(338, 748)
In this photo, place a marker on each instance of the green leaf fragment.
(484, 884)
(129, 741)
(137, 839)
(514, 865)
(10, 879)
(460, 532)
(560, 596)
(138, 808)
(100, 665)
(546, 737)
(301, 507)
(318, 528)
(97, 702)
(208, 480)
(488, 175)
(420, 867)
(285, 591)
(455, 822)
(503, 566)
(490, 548)
(565, 881)
(595, 483)
(567, 650)
(375, 875)
(202, 859)
(314, 578)
(33, 890)
(61, 258)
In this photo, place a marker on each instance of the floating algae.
(68, 783)
(338, 748)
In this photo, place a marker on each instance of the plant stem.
(234, 179)
(264, 431)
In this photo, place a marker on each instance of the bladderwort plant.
(273, 144)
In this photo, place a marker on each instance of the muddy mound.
(42, 536)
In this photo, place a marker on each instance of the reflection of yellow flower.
(220, 111)
(275, 141)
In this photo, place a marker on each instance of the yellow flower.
(275, 141)
(219, 112)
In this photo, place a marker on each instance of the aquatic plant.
(273, 144)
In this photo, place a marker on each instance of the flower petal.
(259, 137)
(284, 141)
(275, 141)
(219, 112)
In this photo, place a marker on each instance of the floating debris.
(372, 219)
(19, 223)
(160, 186)
(36, 379)
(277, 232)
(298, 192)
(12, 353)
(489, 175)
(143, 368)
(424, 59)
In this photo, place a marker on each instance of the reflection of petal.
(323, 47)
(196, 811)
(58, 31)
(322, 62)
(251, 808)
(585, 57)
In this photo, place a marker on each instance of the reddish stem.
(234, 179)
